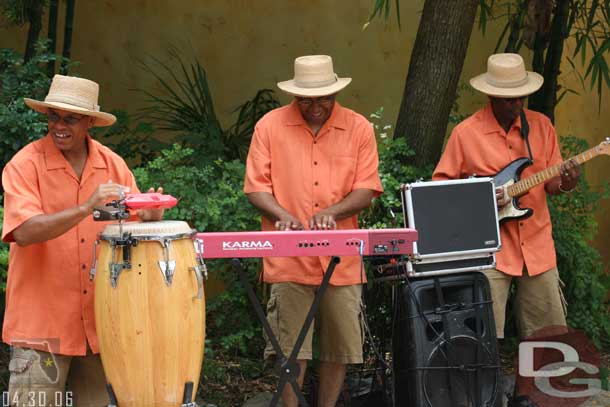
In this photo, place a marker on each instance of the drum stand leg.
(111, 396)
(186, 398)
(289, 367)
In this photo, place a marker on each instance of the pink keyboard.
(351, 242)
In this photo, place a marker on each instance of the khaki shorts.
(39, 379)
(539, 302)
(338, 323)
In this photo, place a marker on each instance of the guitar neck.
(521, 187)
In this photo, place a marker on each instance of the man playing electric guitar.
(486, 143)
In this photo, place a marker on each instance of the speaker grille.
(458, 386)
(445, 350)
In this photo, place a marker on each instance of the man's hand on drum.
(323, 220)
(104, 194)
(148, 215)
(288, 222)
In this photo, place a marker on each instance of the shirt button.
(522, 243)
(82, 240)
(510, 147)
(316, 205)
(520, 223)
(315, 163)
(315, 142)
(84, 266)
(84, 291)
(316, 183)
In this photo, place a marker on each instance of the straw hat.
(76, 95)
(314, 76)
(506, 77)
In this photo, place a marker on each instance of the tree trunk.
(52, 36)
(34, 16)
(70, 4)
(535, 99)
(436, 64)
(560, 30)
(516, 24)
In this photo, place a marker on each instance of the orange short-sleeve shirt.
(480, 146)
(48, 294)
(306, 174)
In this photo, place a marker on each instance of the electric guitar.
(514, 187)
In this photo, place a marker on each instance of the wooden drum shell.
(151, 335)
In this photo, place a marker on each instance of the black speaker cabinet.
(444, 345)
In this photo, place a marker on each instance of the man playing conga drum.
(313, 164)
(51, 187)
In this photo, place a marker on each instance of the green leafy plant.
(185, 107)
(19, 124)
(239, 134)
(395, 169)
(579, 263)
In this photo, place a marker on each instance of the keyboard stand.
(288, 367)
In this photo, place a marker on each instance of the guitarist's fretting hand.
(570, 174)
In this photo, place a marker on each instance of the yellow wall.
(247, 45)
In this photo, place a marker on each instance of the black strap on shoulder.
(525, 131)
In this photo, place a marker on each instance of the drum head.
(167, 229)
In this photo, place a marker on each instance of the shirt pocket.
(342, 175)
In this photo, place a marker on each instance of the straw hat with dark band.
(76, 95)
(506, 77)
(313, 77)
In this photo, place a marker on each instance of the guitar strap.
(525, 131)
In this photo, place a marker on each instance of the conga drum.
(150, 312)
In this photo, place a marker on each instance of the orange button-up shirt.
(480, 146)
(48, 293)
(307, 173)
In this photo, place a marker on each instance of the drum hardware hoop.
(94, 262)
(157, 238)
(168, 266)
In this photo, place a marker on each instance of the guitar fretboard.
(521, 187)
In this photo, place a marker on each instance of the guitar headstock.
(604, 147)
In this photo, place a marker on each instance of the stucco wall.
(246, 45)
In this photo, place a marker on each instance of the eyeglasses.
(68, 120)
(324, 101)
